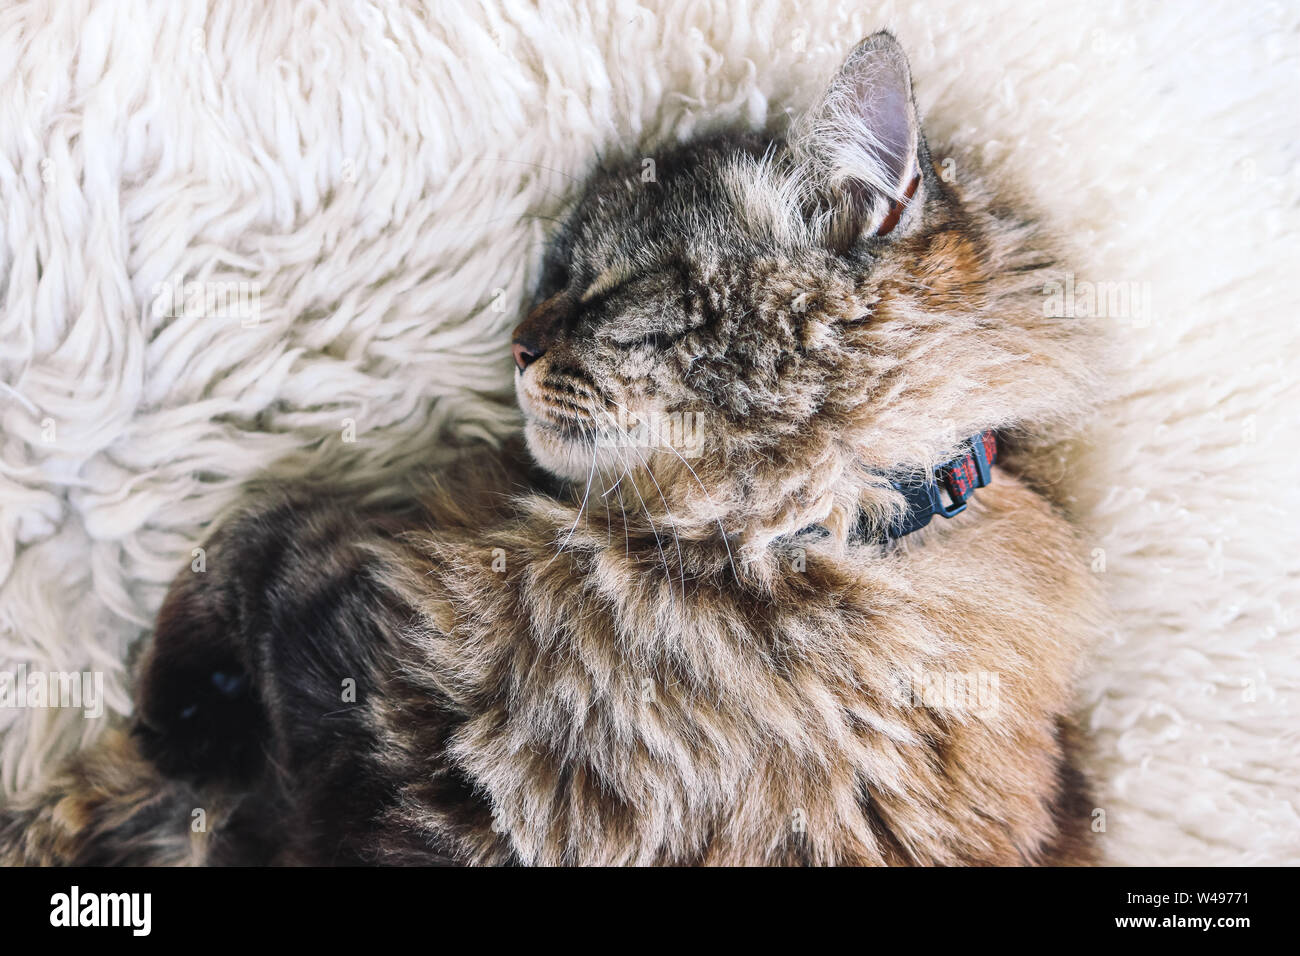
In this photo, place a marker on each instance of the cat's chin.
(560, 454)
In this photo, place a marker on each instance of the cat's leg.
(197, 713)
(256, 704)
(108, 807)
(1073, 807)
(252, 731)
(154, 791)
(111, 806)
(264, 668)
(269, 633)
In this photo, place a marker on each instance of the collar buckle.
(959, 477)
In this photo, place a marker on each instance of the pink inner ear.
(896, 210)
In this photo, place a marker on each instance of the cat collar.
(959, 477)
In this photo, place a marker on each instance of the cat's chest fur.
(859, 707)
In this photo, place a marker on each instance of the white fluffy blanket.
(377, 176)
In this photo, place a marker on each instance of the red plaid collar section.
(959, 477)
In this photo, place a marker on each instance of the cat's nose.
(536, 333)
(525, 355)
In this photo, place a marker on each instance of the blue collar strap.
(959, 478)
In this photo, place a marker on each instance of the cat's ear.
(859, 144)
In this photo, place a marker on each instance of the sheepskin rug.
(358, 191)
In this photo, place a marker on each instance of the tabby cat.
(676, 625)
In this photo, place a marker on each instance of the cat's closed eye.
(652, 340)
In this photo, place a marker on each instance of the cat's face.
(737, 314)
(665, 311)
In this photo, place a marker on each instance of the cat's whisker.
(672, 522)
(663, 557)
(615, 484)
(609, 521)
(524, 162)
(730, 558)
(627, 544)
(581, 507)
(672, 526)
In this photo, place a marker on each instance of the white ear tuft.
(858, 145)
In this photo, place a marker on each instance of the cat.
(680, 622)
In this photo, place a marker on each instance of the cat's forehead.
(685, 201)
